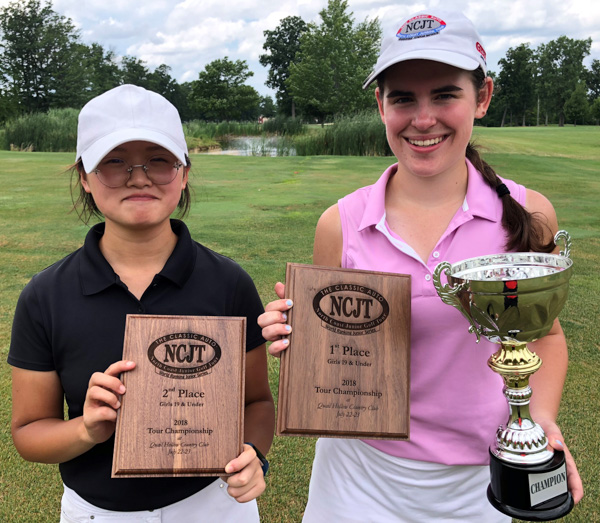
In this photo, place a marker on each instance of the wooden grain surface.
(347, 371)
(183, 412)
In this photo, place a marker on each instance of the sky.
(187, 35)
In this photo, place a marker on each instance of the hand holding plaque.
(183, 412)
(346, 373)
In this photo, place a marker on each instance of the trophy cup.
(513, 299)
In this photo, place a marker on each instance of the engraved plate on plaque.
(347, 371)
(183, 412)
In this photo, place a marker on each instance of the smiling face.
(140, 202)
(428, 110)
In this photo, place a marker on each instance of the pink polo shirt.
(456, 401)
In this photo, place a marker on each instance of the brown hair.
(85, 206)
(524, 230)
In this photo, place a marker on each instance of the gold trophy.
(513, 299)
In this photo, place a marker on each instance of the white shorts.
(211, 504)
(356, 483)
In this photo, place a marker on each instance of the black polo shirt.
(70, 318)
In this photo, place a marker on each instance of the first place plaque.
(183, 412)
(347, 371)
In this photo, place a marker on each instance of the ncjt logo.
(350, 307)
(184, 355)
(420, 26)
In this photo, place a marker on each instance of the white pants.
(211, 504)
(353, 482)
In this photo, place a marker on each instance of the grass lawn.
(262, 212)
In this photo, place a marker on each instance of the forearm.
(39, 431)
(259, 424)
(51, 440)
(547, 383)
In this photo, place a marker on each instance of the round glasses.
(115, 172)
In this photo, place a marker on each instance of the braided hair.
(525, 231)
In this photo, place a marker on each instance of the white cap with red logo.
(442, 36)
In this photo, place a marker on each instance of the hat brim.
(446, 57)
(94, 154)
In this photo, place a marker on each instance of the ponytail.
(525, 231)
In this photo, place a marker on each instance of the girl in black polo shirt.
(132, 168)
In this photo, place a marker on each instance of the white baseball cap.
(125, 114)
(442, 36)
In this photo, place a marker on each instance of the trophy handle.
(564, 235)
(448, 294)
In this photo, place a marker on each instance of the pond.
(255, 146)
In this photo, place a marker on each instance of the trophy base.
(532, 492)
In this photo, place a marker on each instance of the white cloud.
(188, 34)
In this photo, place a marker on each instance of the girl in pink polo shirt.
(440, 201)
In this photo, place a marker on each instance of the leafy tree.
(561, 69)
(267, 107)
(593, 80)
(9, 107)
(135, 72)
(334, 59)
(161, 82)
(493, 117)
(220, 92)
(101, 70)
(183, 102)
(516, 81)
(70, 86)
(39, 50)
(282, 45)
(577, 107)
(595, 110)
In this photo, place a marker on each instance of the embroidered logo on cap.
(481, 51)
(420, 26)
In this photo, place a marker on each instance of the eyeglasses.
(115, 172)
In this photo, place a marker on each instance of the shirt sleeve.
(30, 346)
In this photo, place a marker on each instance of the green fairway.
(262, 212)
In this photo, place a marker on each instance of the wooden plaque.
(347, 371)
(183, 412)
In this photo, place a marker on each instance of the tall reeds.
(54, 131)
(284, 126)
(360, 135)
(214, 130)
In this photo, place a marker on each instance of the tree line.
(547, 84)
(315, 69)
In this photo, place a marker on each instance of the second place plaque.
(183, 412)
(347, 371)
